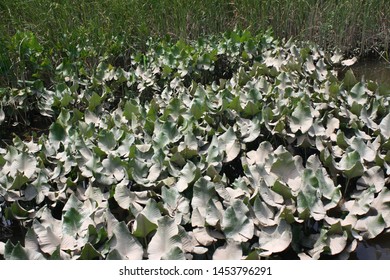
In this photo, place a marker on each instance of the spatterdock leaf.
(235, 224)
(263, 212)
(89, 253)
(277, 238)
(16, 252)
(231, 250)
(165, 240)
(349, 79)
(229, 143)
(125, 244)
(288, 168)
(17, 164)
(48, 241)
(301, 118)
(204, 190)
(384, 126)
(122, 196)
(142, 226)
(351, 164)
(370, 226)
(349, 62)
(57, 134)
(309, 199)
(72, 221)
(337, 243)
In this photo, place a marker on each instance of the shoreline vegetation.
(358, 26)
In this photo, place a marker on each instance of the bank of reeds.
(347, 24)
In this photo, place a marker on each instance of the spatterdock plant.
(236, 146)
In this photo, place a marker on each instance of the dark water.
(373, 69)
(377, 71)
(375, 249)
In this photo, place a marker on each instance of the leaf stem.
(346, 187)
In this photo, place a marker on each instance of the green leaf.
(197, 108)
(235, 223)
(384, 126)
(114, 255)
(125, 244)
(351, 164)
(175, 253)
(131, 109)
(19, 181)
(189, 147)
(263, 212)
(106, 140)
(370, 226)
(229, 143)
(19, 212)
(203, 191)
(48, 240)
(349, 79)
(165, 242)
(72, 221)
(16, 252)
(143, 226)
(301, 118)
(337, 243)
(276, 238)
(231, 250)
(94, 101)
(309, 199)
(89, 253)
(341, 140)
(358, 94)
(214, 152)
(57, 134)
(288, 168)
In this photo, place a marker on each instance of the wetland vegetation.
(193, 130)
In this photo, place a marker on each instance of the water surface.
(373, 69)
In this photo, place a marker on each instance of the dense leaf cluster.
(230, 147)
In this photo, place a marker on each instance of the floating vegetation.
(234, 146)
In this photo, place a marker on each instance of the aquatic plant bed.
(232, 147)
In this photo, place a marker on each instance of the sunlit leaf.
(231, 250)
(125, 244)
(301, 118)
(235, 224)
(276, 238)
(165, 242)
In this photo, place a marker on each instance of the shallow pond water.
(373, 69)
(376, 249)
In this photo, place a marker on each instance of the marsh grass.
(349, 24)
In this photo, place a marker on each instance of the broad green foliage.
(230, 147)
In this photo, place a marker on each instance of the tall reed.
(347, 24)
